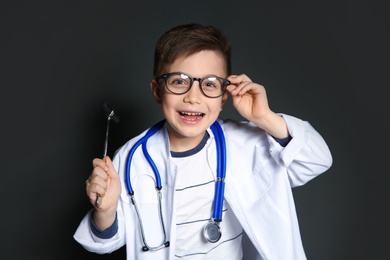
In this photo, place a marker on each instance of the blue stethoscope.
(211, 231)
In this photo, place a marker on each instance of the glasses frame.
(192, 80)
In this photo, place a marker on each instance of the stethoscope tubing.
(143, 141)
(221, 165)
(221, 171)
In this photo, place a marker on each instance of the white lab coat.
(260, 175)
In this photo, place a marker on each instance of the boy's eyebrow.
(207, 75)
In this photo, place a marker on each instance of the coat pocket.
(250, 184)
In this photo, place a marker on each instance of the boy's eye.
(209, 84)
(179, 82)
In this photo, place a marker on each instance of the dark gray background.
(323, 61)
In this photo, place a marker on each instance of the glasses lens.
(178, 83)
(213, 86)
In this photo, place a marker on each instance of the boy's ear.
(224, 99)
(154, 87)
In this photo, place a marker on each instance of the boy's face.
(189, 115)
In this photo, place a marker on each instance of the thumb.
(111, 172)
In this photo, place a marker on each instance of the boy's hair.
(185, 40)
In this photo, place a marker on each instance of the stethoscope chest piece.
(212, 232)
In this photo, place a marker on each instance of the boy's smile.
(189, 115)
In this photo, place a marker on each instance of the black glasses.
(180, 83)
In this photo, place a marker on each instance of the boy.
(200, 185)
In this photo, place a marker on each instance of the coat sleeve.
(92, 243)
(305, 156)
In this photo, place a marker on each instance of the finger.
(95, 184)
(91, 190)
(111, 172)
(97, 180)
(242, 88)
(103, 171)
(230, 88)
(96, 187)
(98, 173)
(97, 162)
(237, 79)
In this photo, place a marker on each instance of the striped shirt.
(195, 186)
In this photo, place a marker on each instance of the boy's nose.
(194, 95)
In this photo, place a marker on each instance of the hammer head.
(110, 113)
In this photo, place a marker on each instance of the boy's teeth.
(190, 114)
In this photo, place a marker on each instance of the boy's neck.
(182, 143)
